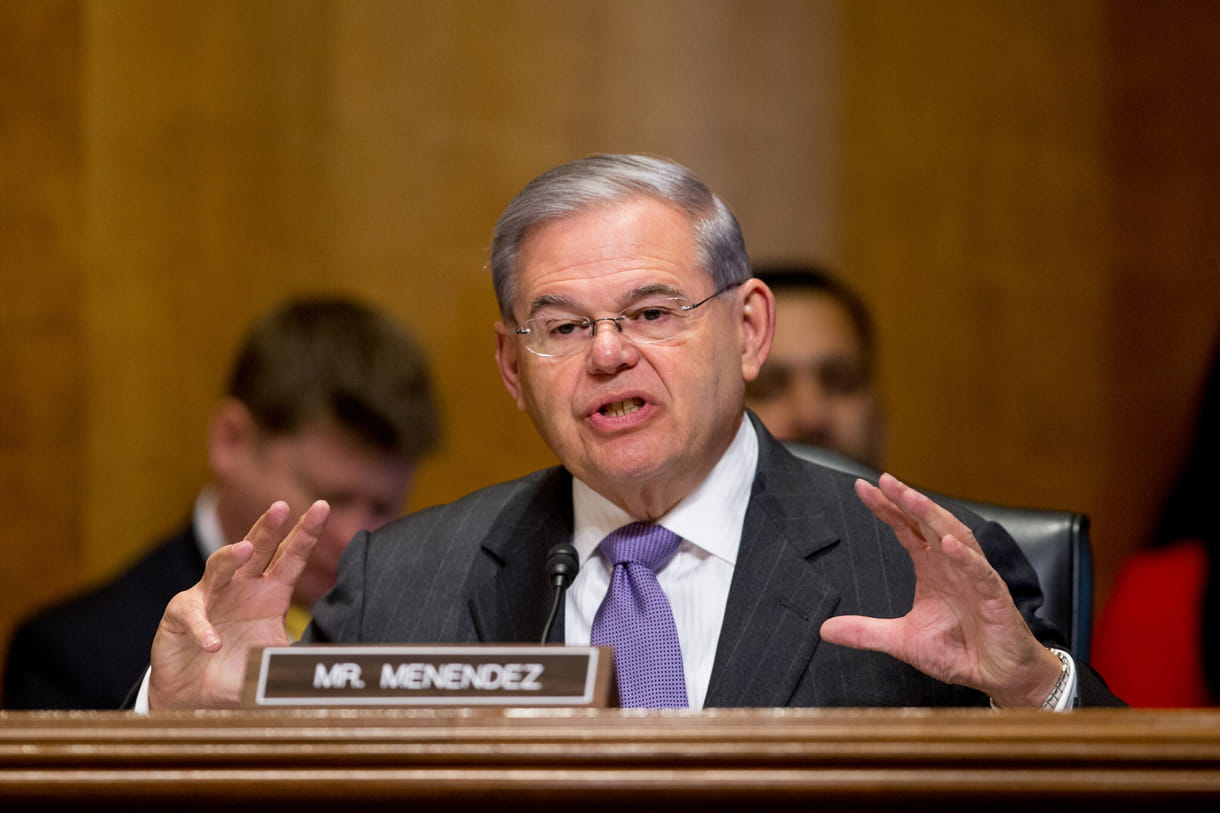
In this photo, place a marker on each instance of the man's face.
(365, 488)
(814, 387)
(642, 424)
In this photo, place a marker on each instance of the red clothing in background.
(1147, 643)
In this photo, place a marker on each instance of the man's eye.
(654, 313)
(563, 327)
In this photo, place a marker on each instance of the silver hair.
(582, 184)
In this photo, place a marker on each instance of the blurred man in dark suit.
(328, 399)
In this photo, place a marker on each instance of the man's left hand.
(963, 626)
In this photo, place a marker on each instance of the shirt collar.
(710, 517)
(207, 523)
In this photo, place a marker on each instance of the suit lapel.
(511, 605)
(778, 599)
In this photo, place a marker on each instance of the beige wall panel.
(747, 93)
(40, 270)
(208, 198)
(1024, 201)
(974, 208)
(1163, 149)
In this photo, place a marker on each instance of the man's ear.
(507, 358)
(757, 326)
(232, 435)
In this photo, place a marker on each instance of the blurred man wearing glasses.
(630, 324)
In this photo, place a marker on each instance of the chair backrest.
(1056, 543)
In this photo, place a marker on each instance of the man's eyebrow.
(550, 300)
(655, 289)
(628, 297)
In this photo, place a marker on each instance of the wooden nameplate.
(339, 675)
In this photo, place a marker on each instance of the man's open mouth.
(620, 408)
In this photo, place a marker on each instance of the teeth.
(620, 408)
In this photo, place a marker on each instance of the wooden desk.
(751, 759)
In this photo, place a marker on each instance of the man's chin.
(621, 474)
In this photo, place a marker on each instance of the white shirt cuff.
(1069, 699)
(141, 706)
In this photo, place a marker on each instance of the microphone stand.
(562, 565)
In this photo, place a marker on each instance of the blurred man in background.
(817, 386)
(327, 399)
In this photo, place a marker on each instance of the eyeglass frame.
(591, 323)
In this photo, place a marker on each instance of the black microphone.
(562, 564)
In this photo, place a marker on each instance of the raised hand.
(963, 627)
(199, 653)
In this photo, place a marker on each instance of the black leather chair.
(1056, 543)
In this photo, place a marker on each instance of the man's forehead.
(606, 226)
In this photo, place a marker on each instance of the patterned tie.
(635, 619)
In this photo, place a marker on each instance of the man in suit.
(817, 385)
(328, 398)
(630, 326)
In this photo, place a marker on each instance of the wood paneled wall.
(974, 212)
(1016, 187)
(42, 394)
(1025, 201)
(1162, 147)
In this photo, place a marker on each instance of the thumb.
(859, 632)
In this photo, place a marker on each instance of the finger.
(861, 632)
(970, 562)
(933, 521)
(266, 536)
(187, 613)
(222, 565)
(905, 528)
(290, 558)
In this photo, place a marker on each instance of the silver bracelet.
(1052, 700)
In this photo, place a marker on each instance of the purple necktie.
(635, 619)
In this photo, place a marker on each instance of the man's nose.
(610, 349)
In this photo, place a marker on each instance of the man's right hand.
(199, 653)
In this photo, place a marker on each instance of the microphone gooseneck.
(562, 564)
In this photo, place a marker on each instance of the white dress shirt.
(696, 580)
(207, 523)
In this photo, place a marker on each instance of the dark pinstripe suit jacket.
(474, 571)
